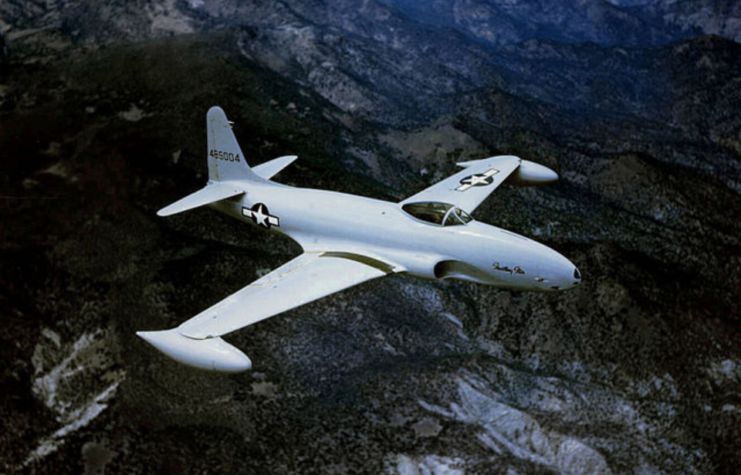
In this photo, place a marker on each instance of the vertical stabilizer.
(225, 159)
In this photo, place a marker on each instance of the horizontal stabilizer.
(211, 354)
(269, 169)
(213, 192)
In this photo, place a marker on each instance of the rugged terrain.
(634, 103)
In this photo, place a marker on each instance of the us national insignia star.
(261, 216)
(480, 179)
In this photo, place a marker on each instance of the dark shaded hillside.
(102, 124)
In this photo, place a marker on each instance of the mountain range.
(635, 104)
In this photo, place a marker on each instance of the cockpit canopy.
(442, 214)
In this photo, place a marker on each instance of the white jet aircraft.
(349, 239)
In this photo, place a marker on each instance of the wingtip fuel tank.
(210, 354)
(532, 174)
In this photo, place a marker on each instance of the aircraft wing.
(469, 187)
(304, 279)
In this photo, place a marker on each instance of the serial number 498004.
(219, 155)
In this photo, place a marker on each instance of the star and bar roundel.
(479, 179)
(261, 216)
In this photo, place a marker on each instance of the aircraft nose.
(562, 273)
(554, 272)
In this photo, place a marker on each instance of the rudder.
(225, 159)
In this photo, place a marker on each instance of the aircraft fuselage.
(327, 221)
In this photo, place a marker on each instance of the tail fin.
(225, 159)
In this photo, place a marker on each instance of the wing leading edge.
(304, 279)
